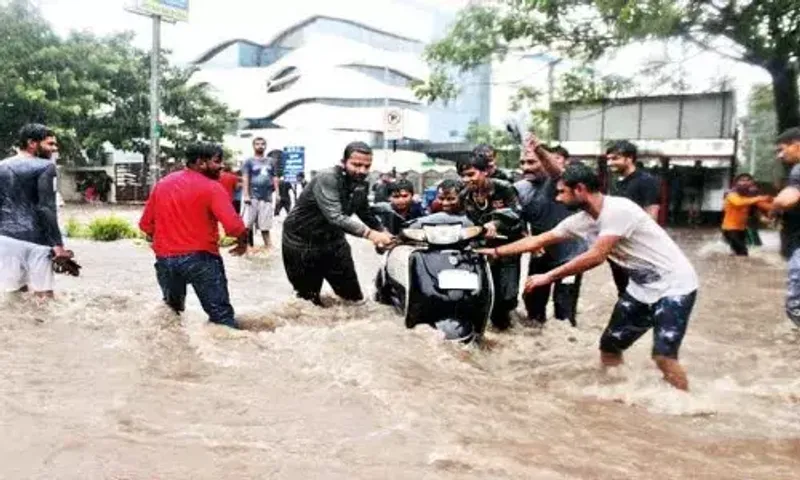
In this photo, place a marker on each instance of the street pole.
(550, 92)
(155, 54)
(385, 112)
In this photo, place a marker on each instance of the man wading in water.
(663, 284)
(29, 235)
(314, 244)
(788, 203)
(181, 217)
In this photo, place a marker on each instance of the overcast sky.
(213, 21)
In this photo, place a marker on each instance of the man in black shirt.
(543, 168)
(285, 191)
(636, 185)
(314, 244)
(488, 152)
(788, 203)
(493, 204)
(29, 235)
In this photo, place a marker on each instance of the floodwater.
(104, 383)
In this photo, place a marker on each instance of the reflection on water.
(106, 383)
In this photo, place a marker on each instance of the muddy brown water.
(104, 383)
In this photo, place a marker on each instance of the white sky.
(213, 21)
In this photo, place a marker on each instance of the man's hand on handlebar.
(380, 239)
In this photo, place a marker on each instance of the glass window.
(394, 78)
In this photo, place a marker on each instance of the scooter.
(432, 276)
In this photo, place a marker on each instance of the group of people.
(259, 191)
(557, 213)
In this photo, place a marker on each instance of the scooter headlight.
(416, 234)
(442, 234)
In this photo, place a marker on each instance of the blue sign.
(294, 162)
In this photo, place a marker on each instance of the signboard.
(393, 124)
(294, 162)
(168, 10)
(687, 117)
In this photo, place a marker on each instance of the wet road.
(105, 383)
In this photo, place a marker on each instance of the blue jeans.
(205, 272)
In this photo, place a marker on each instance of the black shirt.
(501, 175)
(640, 187)
(28, 201)
(501, 206)
(790, 219)
(323, 213)
(542, 213)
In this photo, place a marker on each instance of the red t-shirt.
(229, 181)
(182, 214)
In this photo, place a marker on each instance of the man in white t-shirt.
(663, 284)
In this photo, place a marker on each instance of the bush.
(109, 229)
(74, 229)
(226, 241)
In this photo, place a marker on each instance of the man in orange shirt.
(738, 203)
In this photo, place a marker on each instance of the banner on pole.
(168, 10)
(294, 162)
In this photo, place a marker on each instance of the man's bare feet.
(611, 359)
(673, 372)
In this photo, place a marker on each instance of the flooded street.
(105, 383)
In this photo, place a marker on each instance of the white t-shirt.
(656, 265)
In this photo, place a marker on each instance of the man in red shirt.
(181, 218)
(229, 181)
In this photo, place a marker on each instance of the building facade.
(326, 81)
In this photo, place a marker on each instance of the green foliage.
(111, 228)
(758, 139)
(74, 229)
(767, 34)
(226, 241)
(93, 90)
(507, 150)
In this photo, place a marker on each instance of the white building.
(326, 81)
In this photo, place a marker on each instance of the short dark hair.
(199, 151)
(478, 161)
(790, 135)
(33, 131)
(275, 154)
(624, 148)
(742, 176)
(576, 173)
(259, 138)
(400, 185)
(484, 149)
(449, 184)
(356, 147)
(218, 151)
(559, 150)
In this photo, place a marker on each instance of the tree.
(94, 90)
(505, 147)
(758, 139)
(763, 33)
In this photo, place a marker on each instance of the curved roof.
(277, 39)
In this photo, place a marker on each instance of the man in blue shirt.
(259, 183)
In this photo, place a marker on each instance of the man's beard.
(212, 174)
(42, 153)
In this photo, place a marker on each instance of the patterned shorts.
(668, 317)
(793, 289)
